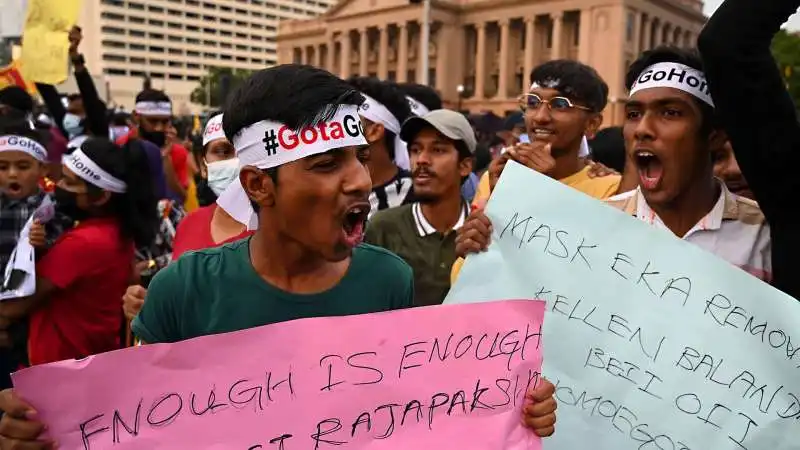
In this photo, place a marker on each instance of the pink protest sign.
(451, 376)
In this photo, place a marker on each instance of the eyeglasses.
(532, 102)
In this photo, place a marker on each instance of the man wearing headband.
(208, 226)
(153, 119)
(760, 117)
(305, 186)
(383, 110)
(671, 131)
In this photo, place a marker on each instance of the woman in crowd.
(74, 312)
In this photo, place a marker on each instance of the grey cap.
(451, 124)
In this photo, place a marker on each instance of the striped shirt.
(734, 230)
(398, 191)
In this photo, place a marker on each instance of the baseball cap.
(451, 124)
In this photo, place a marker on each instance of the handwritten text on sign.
(653, 343)
(441, 377)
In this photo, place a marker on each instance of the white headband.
(213, 130)
(269, 144)
(676, 76)
(154, 108)
(417, 108)
(375, 111)
(85, 168)
(22, 144)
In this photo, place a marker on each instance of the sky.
(711, 5)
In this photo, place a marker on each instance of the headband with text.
(676, 76)
(154, 108)
(213, 130)
(417, 107)
(375, 111)
(269, 144)
(85, 168)
(12, 143)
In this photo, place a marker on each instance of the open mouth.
(650, 169)
(423, 176)
(353, 223)
(14, 188)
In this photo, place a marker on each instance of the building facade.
(175, 42)
(481, 52)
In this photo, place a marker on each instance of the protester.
(726, 168)
(75, 310)
(23, 161)
(441, 145)
(384, 109)
(209, 226)
(153, 119)
(563, 106)
(759, 116)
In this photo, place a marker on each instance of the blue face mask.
(72, 125)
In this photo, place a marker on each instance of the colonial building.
(481, 52)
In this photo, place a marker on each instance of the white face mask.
(221, 174)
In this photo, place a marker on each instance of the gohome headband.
(25, 145)
(81, 165)
(269, 144)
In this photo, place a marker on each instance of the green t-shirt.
(217, 290)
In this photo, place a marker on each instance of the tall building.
(481, 53)
(174, 42)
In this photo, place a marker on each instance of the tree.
(222, 81)
(786, 50)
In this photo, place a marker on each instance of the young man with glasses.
(563, 105)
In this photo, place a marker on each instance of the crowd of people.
(312, 196)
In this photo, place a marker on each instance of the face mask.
(156, 137)
(221, 174)
(72, 125)
(67, 204)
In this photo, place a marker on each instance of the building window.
(629, 25)
(193, 78)
(112, 16)
(156, 49)
(155, 9)
(193, 41)
(175, 38)
(156, 62)
(175, 51)
(114, 2)
(225, 57)
(156, 23)
(159, 75)
(210, 43)
(136, 33)
(134, 5)
(110, 71)
(211, 31)
(175, 64)
(225, 45)
(241, 48)
(225, 33)
(137, 60)
(112, 30)
(241, 59)
(190, 15)
(193, 54)
(210, 55)
(156, 36)
(113, 44)
(411, 75)
(175, 76)
(193, 66)
(134, 19)
(115, 58)
(137, 73)
(137, 47)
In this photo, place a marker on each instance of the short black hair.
(293, 94)
(608, 148)
(687, 57)
(423, 94)
(74, 97)
(17, 98)
(152, 95)
(390, 96)
(21, 127)
(575, 80)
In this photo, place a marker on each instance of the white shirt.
(735, 229)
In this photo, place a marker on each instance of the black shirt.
(759, 117)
